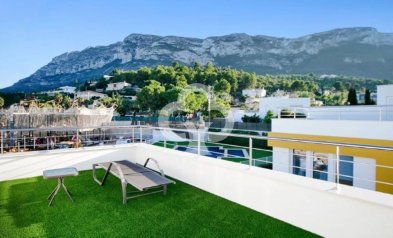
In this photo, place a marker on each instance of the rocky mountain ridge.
(361, 51)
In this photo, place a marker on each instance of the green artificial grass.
(98, 212)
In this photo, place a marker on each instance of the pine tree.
(367, 98)
(352, 99)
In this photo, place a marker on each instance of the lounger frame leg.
(124, 190)
(102, 182)
(164, 189)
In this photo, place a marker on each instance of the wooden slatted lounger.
(138, 176)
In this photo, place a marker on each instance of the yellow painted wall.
(384, 158)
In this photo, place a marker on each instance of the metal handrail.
(260, 137)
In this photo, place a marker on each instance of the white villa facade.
(89, 94)
(117, 86)
(257, 93)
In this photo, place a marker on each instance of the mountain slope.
(359, 51)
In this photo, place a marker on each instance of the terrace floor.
(99, 212)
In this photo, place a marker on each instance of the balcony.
(212, 197)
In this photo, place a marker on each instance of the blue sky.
(32, 32)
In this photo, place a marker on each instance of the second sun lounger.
(138, 176)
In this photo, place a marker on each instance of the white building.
(359, 167)
(107, 77)
(89, 94)
(64, 89)
(68, 89)
(385, 95)
(258, 93)
(370, 125)
(383, 111)
(117, 86)
(276, 104)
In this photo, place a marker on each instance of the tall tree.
(367, 97)
(151, 96)
(1, 102)
(222, 86)
(352, 98)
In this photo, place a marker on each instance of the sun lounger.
(138, 176)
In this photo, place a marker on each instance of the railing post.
(33, 143)
(140, 134)
(380, 114)
(199, 143)
(294, 113)
(24, 142)
(337, 166)
(2, 142)
(250, 151)
(77, 138)
(133, 135)
(47, 143)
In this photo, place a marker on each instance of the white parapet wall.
(310, 204)
(31, 164)
(359, 112)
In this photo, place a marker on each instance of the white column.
(332, 168)
(309, 163)
(282, 159)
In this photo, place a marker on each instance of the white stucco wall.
(385, 95)
(282, 160)
(312, 204)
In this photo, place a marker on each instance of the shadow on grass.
(26, 202)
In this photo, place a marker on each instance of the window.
(299, 162)
(346, 170)
(320, 166)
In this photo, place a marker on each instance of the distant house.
(107, 77)
(68, 89)
(117, 86)
(361, 97)
(257, 93)
(64, 89)
(89, 94)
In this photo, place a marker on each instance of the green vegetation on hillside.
(161, 85)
